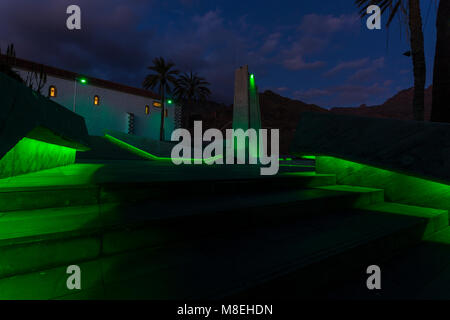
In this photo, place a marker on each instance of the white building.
(105, 105)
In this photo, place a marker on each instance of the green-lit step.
(38, 239)
(267, 261)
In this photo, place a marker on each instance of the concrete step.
(259, 261)
(37, 239)
(418, 273)
(85, 185)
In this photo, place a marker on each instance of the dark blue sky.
(316, 51)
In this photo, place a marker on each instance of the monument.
(246, 110)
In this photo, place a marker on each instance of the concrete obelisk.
(246, 110)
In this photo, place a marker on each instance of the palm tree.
(191, 88)
(163, 77)
(411, 9)
(441, 79)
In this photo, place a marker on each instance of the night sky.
(316, 51)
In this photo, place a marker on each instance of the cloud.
(313, 37)
(293, 59)
(43, 36)
(315, 24)
(347, 65)
(297, 63)
(208, 22)
(368, 73)
(271, 43)
(118, 40)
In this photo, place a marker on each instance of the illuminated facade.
(105, 105)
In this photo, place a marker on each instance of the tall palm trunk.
(163, 103)
(441, 77)
(418, 55)
(185, 110)
(188, 114)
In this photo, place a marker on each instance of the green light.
(30, 155)
(398, 187)
(308, 157)
(70, 175)
(169, 101)
(252, 76)
(83, 80)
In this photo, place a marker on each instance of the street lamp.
(82, 80)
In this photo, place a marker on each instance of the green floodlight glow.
(30, 155)
(83, 80)
(150, 156)
(252, 76)
(398, 187)
(308, 157)
(169, 101)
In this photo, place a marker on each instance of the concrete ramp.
(144, 147)
(103, 149)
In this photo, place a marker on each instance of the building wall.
(112, 112)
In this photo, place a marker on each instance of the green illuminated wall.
(398, 187)
(30, 155)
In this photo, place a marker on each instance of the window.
(52, 91)
(157, 104)
(130, 123)
(96, 101)
(166, 113)
(147, 109)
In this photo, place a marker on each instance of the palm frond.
(163, 74)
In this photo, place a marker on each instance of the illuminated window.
(157, 104)
(52, 91)
(96, 101)
(166, 113)
(147, 109)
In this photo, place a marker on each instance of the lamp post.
(82, 81)
(74, 95)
